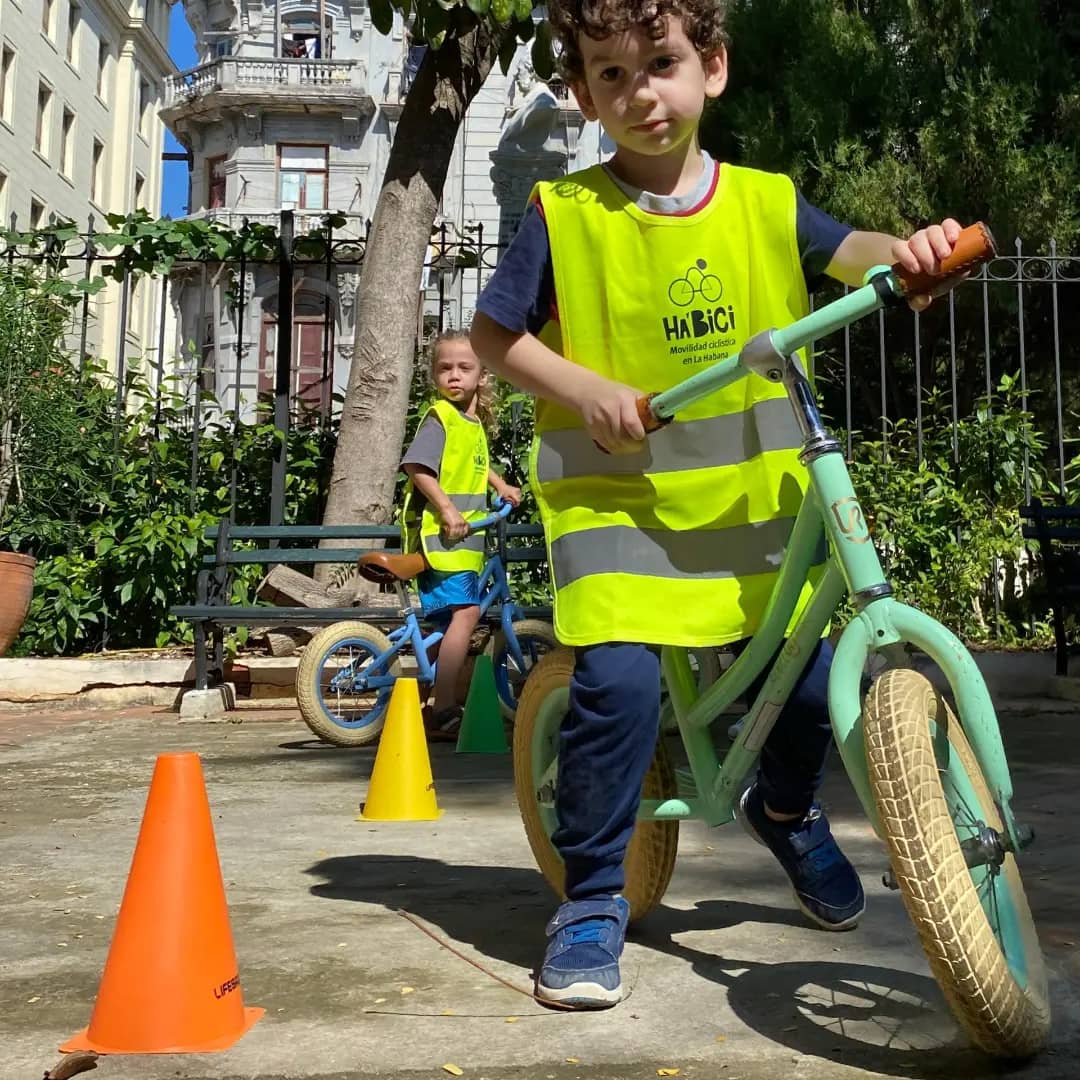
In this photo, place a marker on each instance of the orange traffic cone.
(171, 984)
(401, 787)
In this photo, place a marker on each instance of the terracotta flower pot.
(16, 588)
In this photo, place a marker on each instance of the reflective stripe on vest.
(463, 476)
(750, 549)
(695, 444)
(679, 543)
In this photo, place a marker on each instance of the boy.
(621, 280)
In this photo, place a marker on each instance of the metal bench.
(212, 613)
(1057, 530)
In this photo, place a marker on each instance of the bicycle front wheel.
(332, 700)
(938, 815)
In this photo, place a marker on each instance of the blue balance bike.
(347, 671)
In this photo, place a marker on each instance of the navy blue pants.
(607, 743)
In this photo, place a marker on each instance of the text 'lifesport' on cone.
(401, 787)
(171, 983)
(482, 730)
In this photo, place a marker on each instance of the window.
(74, 15)
(140, 190)
(102, 74)
(302, 177)
(215, 183)
(144, 106)
(67, 142)
(41, 131)
(7, 83)
(97, 172)
(48, 11)
(37, 214)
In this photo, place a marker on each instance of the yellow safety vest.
(679, 543)
(463, 475)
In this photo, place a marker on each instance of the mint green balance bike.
(934, 782)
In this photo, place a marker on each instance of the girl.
(449, 474)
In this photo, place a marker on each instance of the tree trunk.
(377, 398)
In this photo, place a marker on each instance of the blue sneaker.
(827, 888)
(581, 964)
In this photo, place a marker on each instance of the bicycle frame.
(493, 587)
(831, 511)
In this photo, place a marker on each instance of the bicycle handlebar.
(502, 512)
(974, 246)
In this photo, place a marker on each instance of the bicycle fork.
(883, 625)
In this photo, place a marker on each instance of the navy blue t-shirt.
(520, 295)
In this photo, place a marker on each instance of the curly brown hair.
(703, 21)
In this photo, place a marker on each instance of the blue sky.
(182, 49)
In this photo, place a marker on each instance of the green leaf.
(502, 10)
(382, 15)
(125, 592)
(479, 7)
(543, 59)
(523, 10)
(217, 459)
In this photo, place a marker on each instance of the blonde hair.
(486, 396)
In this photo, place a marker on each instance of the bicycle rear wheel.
(650, 858)
(535, 639)
(973, 921)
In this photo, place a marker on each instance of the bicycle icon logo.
(681, 291)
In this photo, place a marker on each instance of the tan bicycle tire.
(309, 692)
(998, 1014)
(650, 858)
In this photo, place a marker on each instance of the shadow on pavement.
(866, 1016)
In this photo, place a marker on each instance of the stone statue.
(523, 81)
(530, 125)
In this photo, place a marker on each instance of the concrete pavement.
(385, 950)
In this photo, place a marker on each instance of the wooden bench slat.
(1049, 513)
(227, 615)
(337, 532)
(312, 556)
(306, 532)
(286, 556)
(1052, 532)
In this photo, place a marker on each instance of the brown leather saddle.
(385, 569)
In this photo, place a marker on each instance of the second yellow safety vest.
(463, 475)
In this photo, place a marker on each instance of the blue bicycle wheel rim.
(382, 700)
(500, 662)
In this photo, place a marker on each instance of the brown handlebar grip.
(974, 246)
(649, 420)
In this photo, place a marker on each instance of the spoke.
(961, 805)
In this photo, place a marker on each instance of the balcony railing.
(305, 221)
(238, 73)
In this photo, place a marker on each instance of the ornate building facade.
(294, 105)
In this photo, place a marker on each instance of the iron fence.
(1019, 316)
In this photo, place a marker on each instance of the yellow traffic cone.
(401, 787)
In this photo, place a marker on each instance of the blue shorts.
(441, 592)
